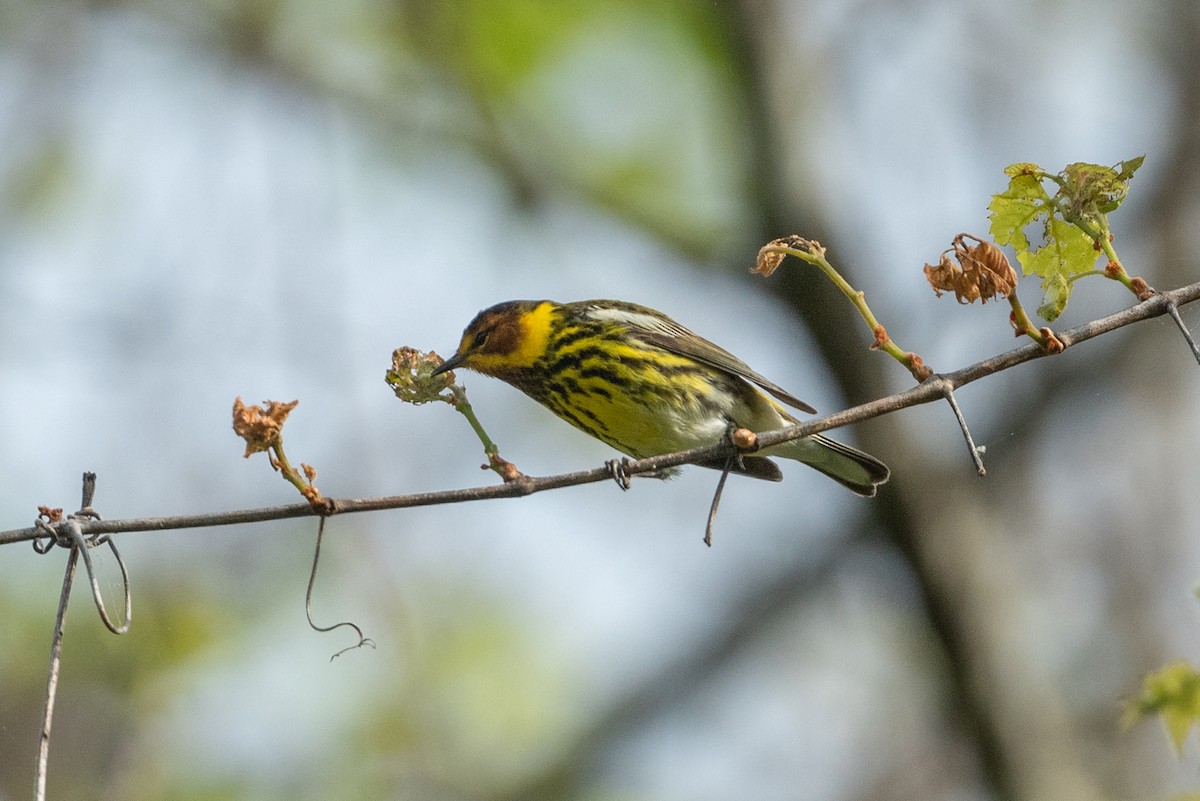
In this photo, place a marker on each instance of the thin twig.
(926, 392)
(948, 394)
(60, 622)
(712, 510)
(1173, 310)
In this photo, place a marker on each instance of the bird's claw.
(616, 468)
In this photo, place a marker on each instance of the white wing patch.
(637, 319)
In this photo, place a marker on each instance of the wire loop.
(85, 545)
(68, 534)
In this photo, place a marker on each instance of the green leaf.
(1089, 190)
(1027, 168)
(1129, 167)
(1013, 209)
(1072, 221)
(1174, 694)
(1067, 251)
(1057, 292)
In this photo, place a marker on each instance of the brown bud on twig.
(917, 366)
(744, 439)
(310, 492)
(507, 470)
(977, 272)
(1050, 341)
(260, 425)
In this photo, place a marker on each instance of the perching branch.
(928, 391)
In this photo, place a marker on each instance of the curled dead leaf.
(772, 254)
(260, 426)
(977, 271)
(770, 257)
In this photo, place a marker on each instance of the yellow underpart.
(644, 400)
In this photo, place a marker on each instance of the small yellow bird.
(636, 379)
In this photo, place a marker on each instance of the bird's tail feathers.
(857, 471)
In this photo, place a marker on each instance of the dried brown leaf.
(770, 257)
(260, 426)
(978, 271)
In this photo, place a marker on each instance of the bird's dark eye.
(480, 339)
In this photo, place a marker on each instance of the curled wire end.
(67, 533)
(48, 521)
(84, 546)
(312, 578)
(361, 642)
(52, 537)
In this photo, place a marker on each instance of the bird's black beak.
(454, 361)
